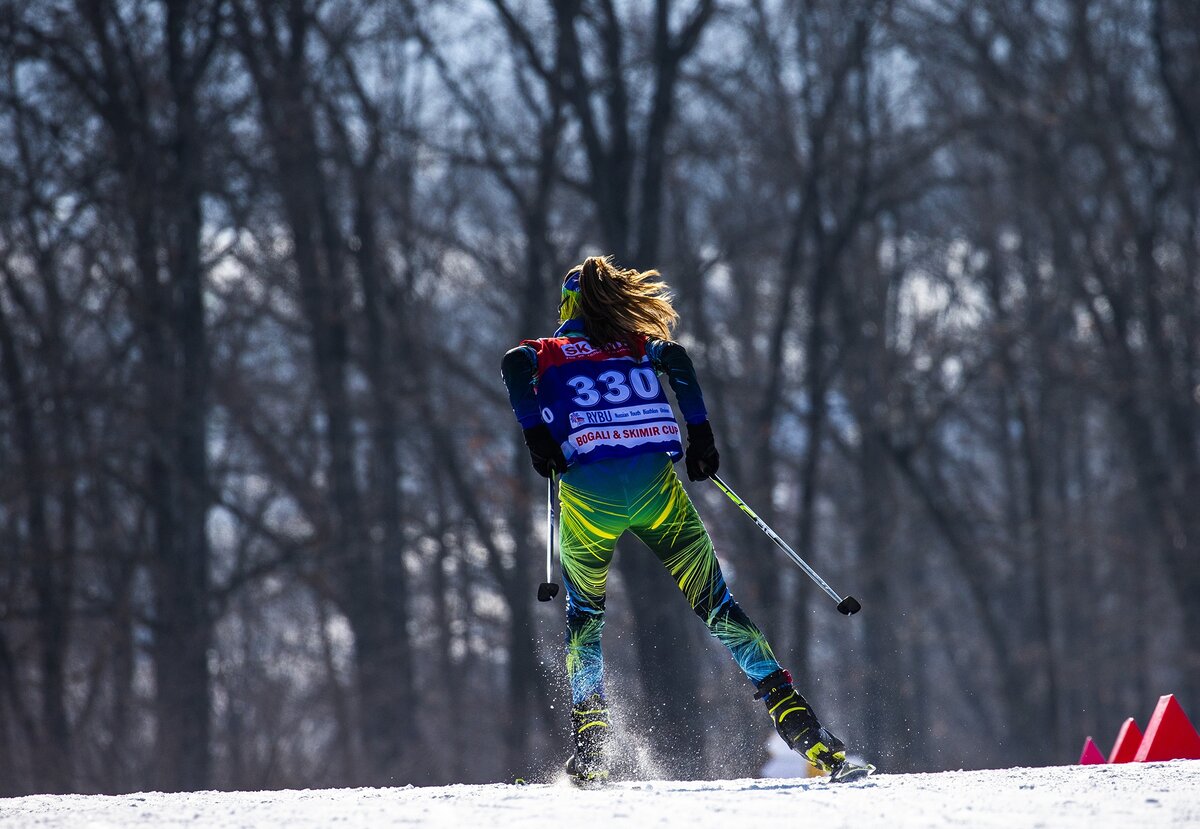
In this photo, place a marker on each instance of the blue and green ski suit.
(607, 409)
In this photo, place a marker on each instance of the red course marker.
(1091, 754)
(1129, 740)
(1170, 734)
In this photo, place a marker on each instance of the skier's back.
(593, 410)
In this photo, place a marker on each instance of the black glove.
(544, 451)
(701, 458)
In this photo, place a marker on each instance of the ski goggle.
(569, 307)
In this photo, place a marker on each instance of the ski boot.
(797, 724)
(588, 767)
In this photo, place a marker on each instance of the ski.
(585, 779)
(848, 772)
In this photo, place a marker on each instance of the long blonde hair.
(619, 305)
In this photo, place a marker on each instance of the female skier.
(593, 411)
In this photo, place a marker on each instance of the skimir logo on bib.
(629, 436)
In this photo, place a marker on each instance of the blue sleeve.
(671, 359)
(519, 370)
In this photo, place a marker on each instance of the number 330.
(644, 384)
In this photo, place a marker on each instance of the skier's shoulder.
(665, 353)
(544, 352)
(519, 355)
(540, 349)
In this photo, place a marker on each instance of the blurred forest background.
(265, 515)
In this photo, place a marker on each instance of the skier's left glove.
(701, 458)
(544, 451)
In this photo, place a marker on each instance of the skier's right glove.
(544, 451)
(701, 458)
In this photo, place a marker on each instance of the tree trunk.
(53, 756)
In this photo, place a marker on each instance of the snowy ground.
(1134, 795)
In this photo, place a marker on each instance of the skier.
(593, 411)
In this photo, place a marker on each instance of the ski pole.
(849, 605)
(547, 590)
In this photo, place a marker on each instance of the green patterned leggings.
(598, 503)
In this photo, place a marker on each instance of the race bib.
(603, 404)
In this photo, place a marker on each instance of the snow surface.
(1134, 795)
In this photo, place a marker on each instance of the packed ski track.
(1133, 795)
